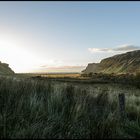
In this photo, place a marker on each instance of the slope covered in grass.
(123, 63)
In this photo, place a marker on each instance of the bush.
(137, 79)
(138, 76)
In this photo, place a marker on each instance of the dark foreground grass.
(34, 109)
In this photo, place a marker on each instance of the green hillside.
(123, 63)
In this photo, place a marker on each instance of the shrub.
(138, 76)
(137, 79)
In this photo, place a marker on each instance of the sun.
(12, 52)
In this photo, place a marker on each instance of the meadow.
(41, 108)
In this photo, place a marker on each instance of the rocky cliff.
(92, 67)
(5, 69)
(123, 63)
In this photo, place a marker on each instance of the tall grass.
(37, 109)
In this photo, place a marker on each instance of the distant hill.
(5, 69)
(123, 63)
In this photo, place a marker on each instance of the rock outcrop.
(5, 69)
(92, 67)
(123, 63)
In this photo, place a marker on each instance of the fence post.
(122, 105)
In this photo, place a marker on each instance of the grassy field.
(53, 75)
(34, 108)
(71, 75)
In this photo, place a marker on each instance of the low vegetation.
(36, 108)
(132, 79)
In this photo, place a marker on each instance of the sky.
(66, 36)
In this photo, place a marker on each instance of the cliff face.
(123, 63)
(5, 69)
(92, 67)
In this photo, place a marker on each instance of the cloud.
(60, 68)
(52, 63)
(63, 67)
(122, 48)
(127, 48)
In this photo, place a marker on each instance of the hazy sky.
(50, 35)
